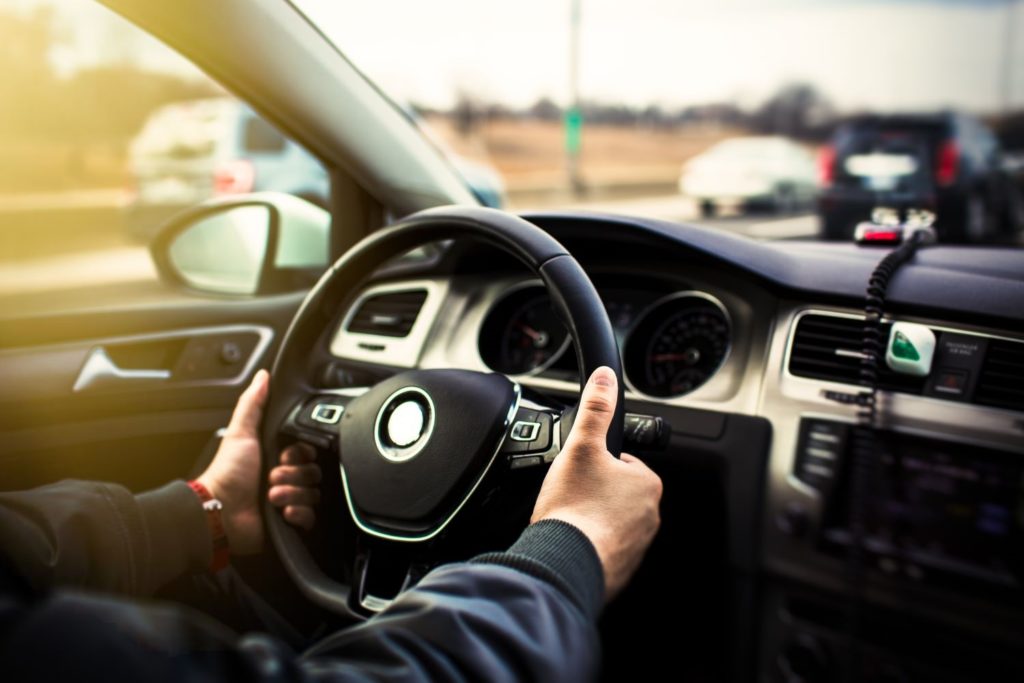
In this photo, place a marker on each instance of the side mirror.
(261, 243)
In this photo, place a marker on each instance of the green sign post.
(573, 130)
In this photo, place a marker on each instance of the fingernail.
(604, 377)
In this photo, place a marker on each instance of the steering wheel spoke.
(316, 419)
(380, 572)
(535, 436)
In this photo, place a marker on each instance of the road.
(678, 209)
(83, 252)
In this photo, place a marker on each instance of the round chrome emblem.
(404, 424)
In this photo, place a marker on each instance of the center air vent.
(829, 348)
(389, 315)
(1001, 382)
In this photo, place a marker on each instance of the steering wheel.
(415, 447)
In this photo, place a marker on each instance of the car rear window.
(888, 156)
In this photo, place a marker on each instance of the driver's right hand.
(614, 501)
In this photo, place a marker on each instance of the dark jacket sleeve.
(525, 614)
(77, 534)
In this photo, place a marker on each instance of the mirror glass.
(224, 252)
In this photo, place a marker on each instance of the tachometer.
(522, 333)
(677, 346)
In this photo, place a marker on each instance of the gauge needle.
(530, 332)
(664, 357)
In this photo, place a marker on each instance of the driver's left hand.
(233, 476)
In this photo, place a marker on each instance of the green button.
(904, 348)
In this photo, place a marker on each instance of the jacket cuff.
(177, 536)
(559, 553)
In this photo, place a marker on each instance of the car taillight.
(826, 165)
(234, 177)
(946, 163)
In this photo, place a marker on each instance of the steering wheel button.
(525, 461)
(327, 413)
(525, 431)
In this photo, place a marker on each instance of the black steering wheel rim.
(573, 297)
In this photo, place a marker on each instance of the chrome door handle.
(101, 371)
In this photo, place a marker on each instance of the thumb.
(597, 406)
(245, 421)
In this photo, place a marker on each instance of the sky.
(896, 54)
(863, 54)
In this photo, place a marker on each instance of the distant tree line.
(797, 110)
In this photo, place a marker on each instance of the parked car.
(947, 162)
(749, 173)
(190, 151)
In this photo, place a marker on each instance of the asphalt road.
(678, 209)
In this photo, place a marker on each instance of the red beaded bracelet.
(213, 507)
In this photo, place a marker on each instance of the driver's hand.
(234, 474)
(294, 485)
(613, 501)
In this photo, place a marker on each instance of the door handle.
(101, 371)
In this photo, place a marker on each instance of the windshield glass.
(605, 105)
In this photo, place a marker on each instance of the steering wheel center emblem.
(404, 424)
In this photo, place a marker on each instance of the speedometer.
(677, 346)
(523, 334)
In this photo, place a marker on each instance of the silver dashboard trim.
(454, 342)
(396, 351)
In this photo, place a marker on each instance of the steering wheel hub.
(416, 445)
(404, 424)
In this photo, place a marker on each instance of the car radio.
(937, 512)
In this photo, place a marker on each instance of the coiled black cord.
(866, 442)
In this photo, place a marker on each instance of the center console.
(898, 556)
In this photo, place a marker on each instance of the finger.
(597, 406)
(245, 421)
(286, 494)
(299, 475)
(300, 516)
(298, 454)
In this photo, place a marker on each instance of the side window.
(262, 138)
(106, 133)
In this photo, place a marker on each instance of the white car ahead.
(751, 172)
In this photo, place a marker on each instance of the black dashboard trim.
(978, 283)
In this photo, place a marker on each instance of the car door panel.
(132, 395)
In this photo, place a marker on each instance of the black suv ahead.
(949, 163)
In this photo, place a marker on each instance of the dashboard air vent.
(1001, 382)
(390, 315)
(828, 348)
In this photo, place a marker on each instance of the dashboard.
(742, 348)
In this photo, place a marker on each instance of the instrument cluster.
(671, 344)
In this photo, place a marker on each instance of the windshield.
(605, 105)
